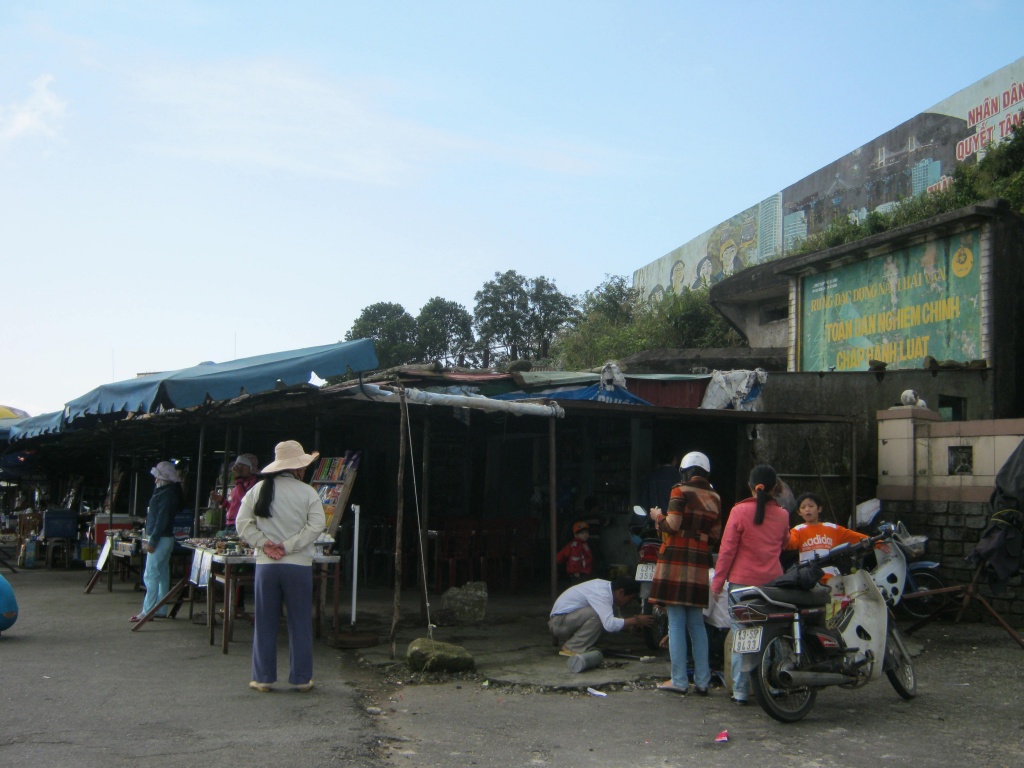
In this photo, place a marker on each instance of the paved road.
(77, 688)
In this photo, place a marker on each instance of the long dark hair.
(266, 497)
(762, 482)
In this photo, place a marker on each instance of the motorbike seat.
(799, 597)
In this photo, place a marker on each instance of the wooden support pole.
(402, 437)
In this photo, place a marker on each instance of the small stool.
(61, 547)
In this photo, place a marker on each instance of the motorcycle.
(647, 556)
(904, 553)
(798, 637)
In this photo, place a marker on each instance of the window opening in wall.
(961, 459)
(952, 408)
(774, 313)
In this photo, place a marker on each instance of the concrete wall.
(923, 482)
(860, 395)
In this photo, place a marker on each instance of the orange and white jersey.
(815, 539)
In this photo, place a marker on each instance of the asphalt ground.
(78, 688)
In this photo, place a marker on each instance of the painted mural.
(915, 157)
(923, 301)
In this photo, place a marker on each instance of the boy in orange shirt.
(814, 537)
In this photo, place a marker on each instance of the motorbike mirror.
(638, 510)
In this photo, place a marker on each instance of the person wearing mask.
(167, 500)
(681, 573)
(280, 518)
(244, 472)
(755, 535)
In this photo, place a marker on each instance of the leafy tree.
(392, 329)
(550, 311)
(616, 322)
(521, 316)
(613, 300)
(501, 314)
(445, 331)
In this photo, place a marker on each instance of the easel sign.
(104, 553)
(202, 560)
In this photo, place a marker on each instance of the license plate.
(645, 572)
(746, 640)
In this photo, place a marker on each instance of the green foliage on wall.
(1000, 173)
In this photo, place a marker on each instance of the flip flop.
(669, 688)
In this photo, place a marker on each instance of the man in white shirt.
(582, 612)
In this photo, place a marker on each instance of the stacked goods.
(333, 480)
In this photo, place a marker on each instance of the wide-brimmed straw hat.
(289, 455)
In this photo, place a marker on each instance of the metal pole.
(199, 478)
(355, 563)
(110, 509)
(552, 509)
(424, 517)
(853, 473)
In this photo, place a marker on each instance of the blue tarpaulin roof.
(33, 426)
(594, 392)
(194, 386)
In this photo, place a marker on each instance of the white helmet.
(695, 459)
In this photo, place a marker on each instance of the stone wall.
(953, 530)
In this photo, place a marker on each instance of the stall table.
(211, 567)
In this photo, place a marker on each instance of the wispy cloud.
(267, 114)
(38, 115)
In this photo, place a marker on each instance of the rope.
(419, 526)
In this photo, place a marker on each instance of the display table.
(210, 568)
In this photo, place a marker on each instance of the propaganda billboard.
(915, 157)
(918, 302)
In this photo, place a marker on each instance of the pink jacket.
(750, 553)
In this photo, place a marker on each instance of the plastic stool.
(61, 546)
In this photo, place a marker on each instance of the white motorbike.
(798, 636)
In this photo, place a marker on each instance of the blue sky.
(187, 181)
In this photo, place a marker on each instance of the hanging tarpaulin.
(478, 402)
(595, 392)
(735, 390)
(205, 382)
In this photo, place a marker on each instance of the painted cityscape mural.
(915, 157)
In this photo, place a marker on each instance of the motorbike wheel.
(787, 705)
(654, 633)
(923, 607)
(898, 667)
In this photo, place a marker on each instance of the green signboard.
(923, 301)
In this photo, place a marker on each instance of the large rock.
(426, 655)
(466, 604)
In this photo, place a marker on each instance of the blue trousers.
(157, 576)
(290, 586)
(741, 663)
(686, 620)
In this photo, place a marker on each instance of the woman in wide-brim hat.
(280, 518)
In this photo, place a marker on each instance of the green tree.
(501, 315)
(392, 329)
(550, 312)
(445, 332)
(616, 322)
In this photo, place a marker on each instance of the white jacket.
(296, 520)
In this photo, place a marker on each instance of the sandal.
(670, 688)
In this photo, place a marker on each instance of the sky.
(195, 180)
